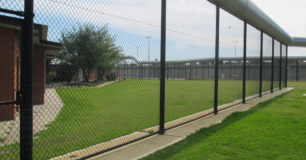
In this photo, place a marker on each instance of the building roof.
(40, 34)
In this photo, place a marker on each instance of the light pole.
(148, 37)
(137, 51)
(235, 43)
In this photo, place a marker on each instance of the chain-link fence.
(10, 64)
(99, 79)
(297, 69)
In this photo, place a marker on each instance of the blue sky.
(190, 25)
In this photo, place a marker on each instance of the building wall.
(10, 67)
(38, 75)
(93, 75)
(8, 72)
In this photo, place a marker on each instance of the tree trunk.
(99, 74)
(102, 74)
(86, 75)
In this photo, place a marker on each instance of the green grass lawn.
(296, 83)
(275, 129)
(95, 115)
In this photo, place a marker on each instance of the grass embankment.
(275, 129)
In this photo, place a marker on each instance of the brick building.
(10, 50)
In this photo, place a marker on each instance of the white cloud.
(290, 15)
(188, 21)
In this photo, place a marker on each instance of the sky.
(289, 15)
(190, 25)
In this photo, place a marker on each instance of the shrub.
(64, 73)
(111, 77)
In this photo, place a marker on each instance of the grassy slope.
(273, 130)
(95, 115)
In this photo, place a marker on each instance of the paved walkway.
(42, 115)
(105, 84)
(78, 85)
(150, 145)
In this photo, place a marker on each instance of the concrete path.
(105, 84)
(42, 115)
(150, 145)
(77, 85)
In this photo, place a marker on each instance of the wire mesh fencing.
(97, 71)
(90, 103)
(230, 71)
(296, 70)
(276, 64)
(252, 62)
(10, 64)
(189, 92)
(267, 63)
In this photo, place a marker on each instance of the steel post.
(286, 77)
(297, 70)
(280, 66)
(217, 59)
(26, 108)
(244, 61)
(261, 66)
(272, 66)
(162, 68)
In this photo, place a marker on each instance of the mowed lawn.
(296, 83)
(275, 129)
(95, 115)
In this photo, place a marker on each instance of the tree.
(88, 48)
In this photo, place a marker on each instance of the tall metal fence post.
(185, 71)
(196, 71)
(261, 66)
(190, 71)
(297, 70)
(162, 68)
(174, 66)
(272, 66)
(286, 78)
(244, 60)
(203, 70)
(26, 109)
(217, 59)
(280, 66)
(142, 73)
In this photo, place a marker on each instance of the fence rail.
(198, 70)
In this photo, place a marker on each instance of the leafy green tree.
(88, 48)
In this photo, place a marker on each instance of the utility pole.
(148, 37)
(235, 44)
(137, 51)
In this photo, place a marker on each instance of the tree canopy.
(88, 48)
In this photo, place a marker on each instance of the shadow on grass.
(205, 133)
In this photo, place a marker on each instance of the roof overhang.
(249, 12)
(39, 35)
